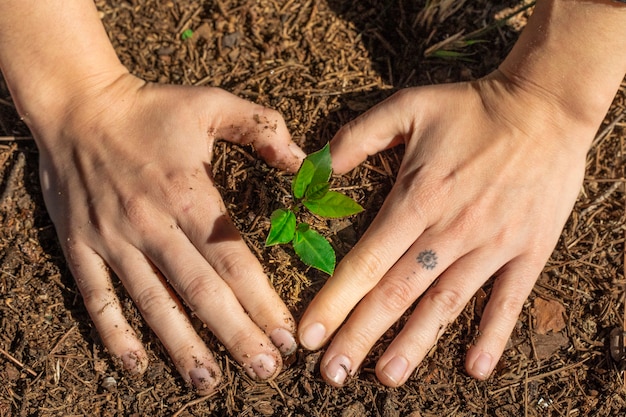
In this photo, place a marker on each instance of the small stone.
(109, 383)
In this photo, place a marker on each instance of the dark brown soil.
(320, 63)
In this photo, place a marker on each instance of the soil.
(320, 63)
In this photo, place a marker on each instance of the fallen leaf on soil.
(548, 316)
(203, 31)
(547, 344)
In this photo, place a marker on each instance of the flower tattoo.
(428, 259)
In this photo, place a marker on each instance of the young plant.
(310, 188)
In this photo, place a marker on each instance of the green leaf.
(283, 227)
(317, 191)
(303, 178)
(313, 249)
(333, 205)
(322, 163)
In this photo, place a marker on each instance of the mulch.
(320, 63)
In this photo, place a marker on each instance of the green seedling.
(310, 188)
(187, 34)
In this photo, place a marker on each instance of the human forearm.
(51, 54)
(572, 53)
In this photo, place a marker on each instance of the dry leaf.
(546, 345)
(548, 316)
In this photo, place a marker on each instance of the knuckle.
(397, 294)
(241, 342)
(137, 212)
(447, 301)
(467, 221)
(365, 262)
(272, 114)
(510, 306)
(233, 264)
(358, 338)
(97, 299)
(73, 252)
(180, 194)
(347, 129)
(407, 98)
(197, 290)
(151, 299)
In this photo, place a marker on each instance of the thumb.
(243, 122)
(383, 126)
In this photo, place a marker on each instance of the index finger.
(383, 126)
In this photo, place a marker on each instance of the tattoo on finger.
(428, 259)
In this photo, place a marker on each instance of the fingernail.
(284, 341)
(203, 379)
(338, 369)
(313, 336)
(262, 367)
(296, 151)
(482, 365)
(134, 362)
(396, 369)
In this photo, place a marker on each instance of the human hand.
(127, 181)
(489, 176)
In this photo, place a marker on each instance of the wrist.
(572, 55)
(86, 113)
(52, 56)
(46, 109)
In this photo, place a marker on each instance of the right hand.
(126, 178)
(489, 176)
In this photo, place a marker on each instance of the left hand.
(490, 173)
(126, 177)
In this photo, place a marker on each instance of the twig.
(14, 138)
(10, 151)
(196, 401)
(13, 179)
(6, 103)
(602, 198)
(274, 385)
(539, 377)
(460, 37)
(499, 23)
(76, 377)
(61, 341)
(605, 132)
(186, 20)
(18, 363)
(526, 393)
(311, 16)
